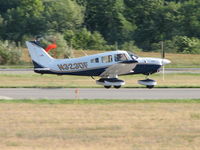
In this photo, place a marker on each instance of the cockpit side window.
(120, 57)
(106, 59)
(95, 60)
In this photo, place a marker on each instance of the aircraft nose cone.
(165, 61)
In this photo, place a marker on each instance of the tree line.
(137, 25)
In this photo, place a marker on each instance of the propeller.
(163, 57)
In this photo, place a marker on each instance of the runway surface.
(99, 93)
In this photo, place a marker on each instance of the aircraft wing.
(119, 68)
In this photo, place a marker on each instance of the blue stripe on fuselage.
(92, 72)
(145, 69)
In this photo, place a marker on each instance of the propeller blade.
(163, 57)
(162, 50)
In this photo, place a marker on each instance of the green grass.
(32, 80)
(97, 101)
(100, 124)
(20, 66)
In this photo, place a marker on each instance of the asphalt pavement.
(99, 93)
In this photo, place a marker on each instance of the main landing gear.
(109, 86)
(117, 83)
(109, 82)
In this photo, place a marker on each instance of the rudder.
(40, 58)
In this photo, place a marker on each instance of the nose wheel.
(150, 86)
(149, 83)
(107, 86)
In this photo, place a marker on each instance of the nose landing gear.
(149, 83)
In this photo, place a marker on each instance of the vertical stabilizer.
(40, 58)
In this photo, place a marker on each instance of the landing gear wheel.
(107, 86)
(150, 86)
(117, 87)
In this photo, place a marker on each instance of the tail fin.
(40, 58)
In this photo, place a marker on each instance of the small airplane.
(108, 65)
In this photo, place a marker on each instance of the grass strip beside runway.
(99, 124)
(98, 101)
(181, 80)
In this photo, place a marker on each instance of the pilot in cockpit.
(120, 57)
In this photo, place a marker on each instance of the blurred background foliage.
(134, 25)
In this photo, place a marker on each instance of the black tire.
(107, 86)
(150, 86)
(117, 87)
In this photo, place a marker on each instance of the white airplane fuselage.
(84, 67)
(106, 65)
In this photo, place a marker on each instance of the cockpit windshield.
(132, 55)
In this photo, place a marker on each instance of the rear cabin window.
(95, 60)
(120, 57)
(107, 59)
